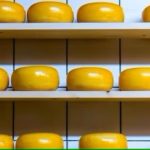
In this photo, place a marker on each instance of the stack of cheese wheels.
(11, 12)
(135, 79)
(50, 11)
(39, 140)
(4, 79)
(103, 140)
(146, 14)
(35, 78)
(6, 142)
(90, 78)
(100, 12)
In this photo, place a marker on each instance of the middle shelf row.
(46, 78)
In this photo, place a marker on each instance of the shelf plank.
(74, 30)
(75, 96)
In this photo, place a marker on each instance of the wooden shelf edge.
(75, 96)
(74, 30)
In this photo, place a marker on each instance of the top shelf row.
(74, 30)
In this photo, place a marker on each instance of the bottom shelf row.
(52, 140)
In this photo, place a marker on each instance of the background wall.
(72, 120)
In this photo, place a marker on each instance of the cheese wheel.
(103, 140)
(100, 12)
(39, 140)
(89, 78)
(146, 14)
(50, 12)
(11, 12)
(35, 78)
(4, 79)
(135, 79)
(6, 142)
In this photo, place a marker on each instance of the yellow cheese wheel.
(35, 78)
(100, 12)
(135, 79)
(39, 140)
(103, 140)
(11, 12)
(4, 79)
(6, 142)
(50, 12)
(146, 14)
(90, 78)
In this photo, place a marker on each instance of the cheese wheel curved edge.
(103, 140)
(135, 79)
(39, 140)
(6, 142)
(11, 12)
(35, 78)
(50, 12)
(100, 12)
(89, 78)
(146, 14)
(4, 79)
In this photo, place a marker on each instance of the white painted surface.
(75, 144)
(111, 96)
(133, 9)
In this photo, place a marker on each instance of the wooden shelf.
(75, 96)
(74, 30)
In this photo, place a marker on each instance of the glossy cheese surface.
(4, 79)
(89, 78)
(103, 140)
(135, 79)
(39, 140)
(146, 14)
(35, 78)
(50, 12)
(11, 12)
(6, 141)
(100, 12)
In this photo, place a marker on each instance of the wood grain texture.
(6, 62)
(40, 117)
(6, 126)
(136, 120)
(92, 117)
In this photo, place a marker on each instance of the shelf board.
(75, 96)
(74, 30)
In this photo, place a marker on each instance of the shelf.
(74, 30)
(75, 96)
